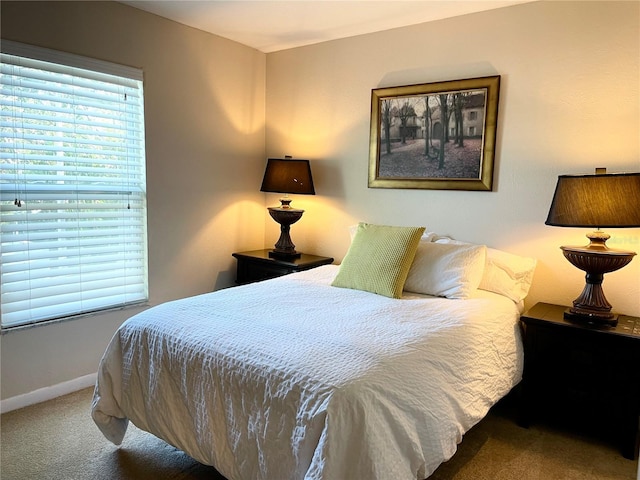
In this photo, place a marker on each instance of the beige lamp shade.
(600, 201)
(288, 176)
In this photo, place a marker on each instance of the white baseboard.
(47, 393)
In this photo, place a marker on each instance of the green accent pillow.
(379, 259)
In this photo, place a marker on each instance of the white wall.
(569, 102)
(205, 110)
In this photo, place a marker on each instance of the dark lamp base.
(284, 255)
(285, 216)
(595, 260)
(610, 319)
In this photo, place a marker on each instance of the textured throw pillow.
(379, 259)
(426, 236)
(446, 269)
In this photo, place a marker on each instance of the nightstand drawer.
(254, 272)
(593, 362)
(257, 265)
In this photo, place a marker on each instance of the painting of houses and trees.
(444, 134)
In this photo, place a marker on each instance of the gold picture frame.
(407, 132)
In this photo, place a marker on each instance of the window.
(473, 115)
(72, 186)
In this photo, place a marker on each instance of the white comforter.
(294, 379)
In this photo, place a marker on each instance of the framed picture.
(435, 135)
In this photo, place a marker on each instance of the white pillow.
(508, 274)
(446, 269)
(504, 273)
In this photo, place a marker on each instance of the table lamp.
(286, 176)
(601, 201)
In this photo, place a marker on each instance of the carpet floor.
(58, 440)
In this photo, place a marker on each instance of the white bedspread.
(294, 379)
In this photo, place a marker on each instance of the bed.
(298, 378)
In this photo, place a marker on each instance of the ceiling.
(270, 26)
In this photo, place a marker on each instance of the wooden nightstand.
(256, 265)
(582, 375)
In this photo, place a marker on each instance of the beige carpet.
(58, 440)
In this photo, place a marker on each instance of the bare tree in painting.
(385, 110)
(444, 115)
(458, 105)
(405, 112)
(427, 125)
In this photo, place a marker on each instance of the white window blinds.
(72, 186)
